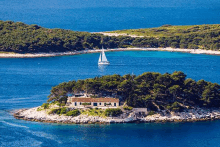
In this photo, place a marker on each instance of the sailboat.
(102, 58)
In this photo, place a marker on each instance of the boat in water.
(102, 59)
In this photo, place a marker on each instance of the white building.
(92, 102)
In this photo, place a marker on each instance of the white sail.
(104, 59)
(100, 58)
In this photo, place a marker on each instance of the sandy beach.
(37, 55)
(190, 115)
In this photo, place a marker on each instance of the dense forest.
(22, 38)
(153, 90)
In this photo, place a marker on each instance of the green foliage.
(22, 38)
(150, 90)
(151, 113)
(45, 105)
(127, 108)
(94, 112)
(75, 112)
(113, 112)
(61, 104)
(176, 107)
(39, 109)
(58, 111)
(54, 111)
(63, 110)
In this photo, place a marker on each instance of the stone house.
(93, 102)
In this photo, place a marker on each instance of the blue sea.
(108, 15)
(26, 83)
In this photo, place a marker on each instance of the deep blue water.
(25, 83)
(107, 15)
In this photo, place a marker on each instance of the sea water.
(26, 83)
(108, 15)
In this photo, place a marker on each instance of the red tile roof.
(95, 100)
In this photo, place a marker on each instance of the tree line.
(152, 90)
(22, 38)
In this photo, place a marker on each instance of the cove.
(26, 83)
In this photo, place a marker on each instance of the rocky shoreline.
(191, 115)
(37, 55)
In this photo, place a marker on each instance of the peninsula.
(150, 97)
(19, 40)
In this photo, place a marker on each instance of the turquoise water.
(107, 15)
(25, 83)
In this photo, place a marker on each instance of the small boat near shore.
(102, 58)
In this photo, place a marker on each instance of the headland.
(37, 55)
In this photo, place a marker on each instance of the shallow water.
(25, 83)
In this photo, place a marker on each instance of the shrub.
(45, 105)
(73, 113)
(63, 110)
(61, 104)
(39, 109)
(53, 111)
(176, 107)
(58, 111)
(151, 113)
(127, 108)
(113, 112)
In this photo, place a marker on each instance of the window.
(100, 103)
(80, 103)
(114, 104)
(75, 103)
(94, 104)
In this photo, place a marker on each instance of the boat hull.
(103, 63)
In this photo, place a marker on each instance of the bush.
(63, 110)
(54, 111)
(113, 112)
(151, 113)
(45, 105)
(127, 108)
(175, 107)
(61, 104)
(73, 113)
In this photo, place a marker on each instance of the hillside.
(155, 91)
(169, 30)
(22, 38)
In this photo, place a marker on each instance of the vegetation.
(150, 90)
(22, 38)
(113, 112)
(127, 108)
(151, 113)
(94, 112)
(86, 104)
(45, 105)
(59, 111)
(73, 113)
(169, 30)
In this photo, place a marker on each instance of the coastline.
(37, 55)
(191, 115)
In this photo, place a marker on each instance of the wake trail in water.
(14, 125)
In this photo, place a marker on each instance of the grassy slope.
(167, 31)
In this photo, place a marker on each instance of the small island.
(149, 97)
